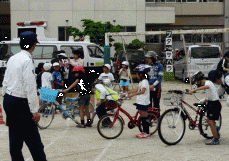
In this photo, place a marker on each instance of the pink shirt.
(74, 63)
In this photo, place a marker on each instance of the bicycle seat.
(72, 99)
(199, 104)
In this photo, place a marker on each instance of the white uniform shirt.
(104, 93)
(46, 79)
(143, 99)
(19, 79)
(211, 92)
(107, 76)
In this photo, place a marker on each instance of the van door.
(95, 57)
(204, 58)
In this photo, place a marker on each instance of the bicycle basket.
(48, 95)
(172, 99)
(111, 104)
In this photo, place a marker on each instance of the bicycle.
(50, 105)
(109, 122)
(173, 119)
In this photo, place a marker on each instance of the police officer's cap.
(28, 36)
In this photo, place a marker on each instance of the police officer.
(155, 78)
(20, 101)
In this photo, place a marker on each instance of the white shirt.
(104, 93)
(20, 79)
(211, 92)
(123, 74)
(143, 99)
(46, 79)
(107, 76)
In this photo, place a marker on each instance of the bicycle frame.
(186, 112)
(132, 118)
(70, 106)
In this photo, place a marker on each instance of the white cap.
(47, 66)
(56, 64)
(108, 66)
(62, 54)
(125, 63)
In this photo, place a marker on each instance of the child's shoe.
(213, 141)
(88, 124)
(143, 135)
(81, 125)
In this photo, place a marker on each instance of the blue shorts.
(122, 83)
(142, 107)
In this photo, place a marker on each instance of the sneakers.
(213, 141)
(88, 124)
(81, 125)
(143, 135)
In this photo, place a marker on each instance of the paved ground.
(65, 142)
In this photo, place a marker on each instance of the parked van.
(200, 58)
(45, 49)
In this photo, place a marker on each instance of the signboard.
(169, 61)
(169, 68)
(169, 55)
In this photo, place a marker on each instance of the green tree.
(96, 31)
(135, 44)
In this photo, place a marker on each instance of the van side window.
(47, 51)
(68, 49)
(95, 52)
(37, 52)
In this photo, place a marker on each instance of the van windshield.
(205, 52)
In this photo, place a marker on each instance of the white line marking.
(104, 150)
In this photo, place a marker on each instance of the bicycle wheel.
(46, 112)
(153, 124)
(171, 127)
(205, 129)
(104, 128)
(199, 95)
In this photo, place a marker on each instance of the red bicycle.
(110, 126)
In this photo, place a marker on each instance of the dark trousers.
(100, 110)
(22, 128)
(155, 96)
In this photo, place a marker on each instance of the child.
(57, 78)
(124, 74)
(84, 93)
(222, 65)
(47, 78)
(213, 106)
(143, 98)
(40, 71)
(107, 75)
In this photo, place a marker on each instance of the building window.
(152, 39)
(63, 33)
(129, 29)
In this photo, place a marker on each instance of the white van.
(200, 58)
(92, 58)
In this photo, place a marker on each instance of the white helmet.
(47, 66)
(108, 66)
(107, 82)
(125, 63)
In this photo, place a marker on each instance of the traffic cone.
(1, 116)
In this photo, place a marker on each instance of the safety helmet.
(196, 77)
(213, 75)
(47, 66)
(151, 54)
(106, 82)
(108, 66)
(62, 55)
(78, 69)
(125, 63)
(142, 68)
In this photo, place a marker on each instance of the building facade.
(5, 20)
(135, 15)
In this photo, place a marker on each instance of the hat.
(47, 66)
(151, 54)
(56, 64)
(28, 36)
(125, 63)
(62, 55)
(108, 66)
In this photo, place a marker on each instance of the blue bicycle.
(50, 105)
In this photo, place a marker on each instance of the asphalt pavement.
(63, 141)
